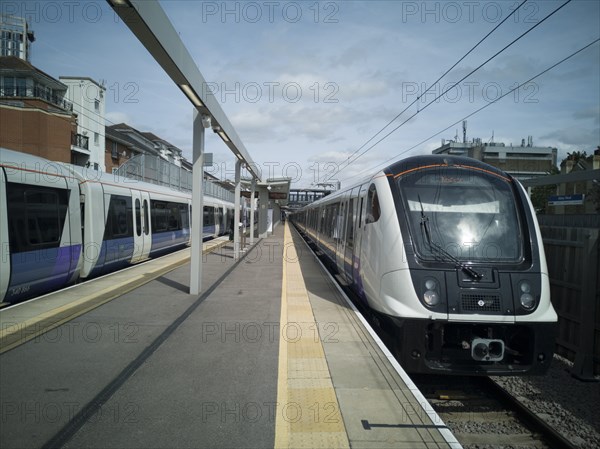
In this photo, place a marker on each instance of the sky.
(307, 84)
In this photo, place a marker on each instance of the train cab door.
(141, 227)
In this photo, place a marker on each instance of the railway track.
(481, 414)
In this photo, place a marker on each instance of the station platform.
(269, 355)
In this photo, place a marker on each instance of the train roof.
(80, 174)
(432, 160)
(414, 162)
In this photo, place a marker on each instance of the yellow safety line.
(308, 413)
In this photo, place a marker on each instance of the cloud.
(575, 137)
(588, 113)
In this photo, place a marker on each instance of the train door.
(142, 240)
(5, 265)
(350, 236)
(340, 225)
(361, 194)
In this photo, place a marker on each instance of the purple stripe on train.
(34, 273)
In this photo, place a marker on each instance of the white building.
(523, 162)
(89, 99)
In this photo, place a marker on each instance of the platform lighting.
(120, 2)
(191, 95)
(239, 156)
(223, 136)
(217, 129)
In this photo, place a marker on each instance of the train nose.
(488, 350)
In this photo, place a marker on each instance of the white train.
(446, 253)
(60, 223)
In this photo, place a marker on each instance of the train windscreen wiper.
(433, 245)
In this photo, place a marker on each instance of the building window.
(97, 105)
(96, 138)
(114, 151)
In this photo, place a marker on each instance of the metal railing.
(39, 93)
(80, 141)
(156, 170)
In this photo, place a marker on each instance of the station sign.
(566, 200)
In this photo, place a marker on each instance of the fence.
(156, 170)
(573, 265)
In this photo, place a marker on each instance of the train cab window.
(36, 216)
(373, 209)
(138, 218)
(470, 214)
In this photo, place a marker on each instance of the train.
(61, 224)
(445, 254)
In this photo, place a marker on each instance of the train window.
(373, 209)
(159, 216)
(36, 216)
(185, 218)
(209, 216)
(471, 215)
(173, 217)
(119, 222)
(360, 212)
(138, 217)
(350, 224)
(146, 218)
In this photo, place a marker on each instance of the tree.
(540, 194)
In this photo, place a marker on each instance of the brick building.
(35, 117)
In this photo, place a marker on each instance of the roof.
(82, 78)
(18, 66)
(123, 132)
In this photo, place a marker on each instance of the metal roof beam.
(149, 23)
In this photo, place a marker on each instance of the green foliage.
(540, 194)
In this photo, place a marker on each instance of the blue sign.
(566, 200)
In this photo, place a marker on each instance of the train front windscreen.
(462, 213)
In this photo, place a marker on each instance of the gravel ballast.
(571, 406)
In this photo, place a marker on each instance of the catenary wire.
(438, 80)
(483, 107)
(450, 88)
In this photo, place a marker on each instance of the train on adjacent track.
(61, 223)
(446, 255)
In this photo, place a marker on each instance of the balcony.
(79, 142)
(38, 93)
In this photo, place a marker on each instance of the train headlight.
(431, 297)
(527, 299)
(430, 284)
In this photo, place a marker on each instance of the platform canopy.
(149, 23)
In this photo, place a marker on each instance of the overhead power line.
(450, 88)
(483, 107)
(438, 80)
